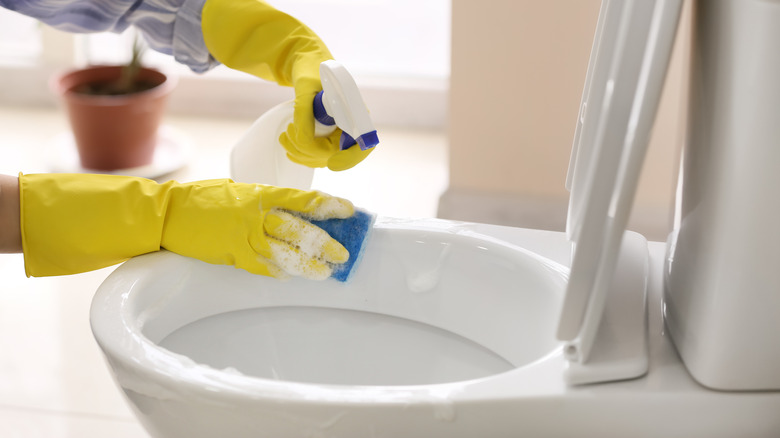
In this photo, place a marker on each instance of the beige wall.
(518, 69)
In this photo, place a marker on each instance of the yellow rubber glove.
(74, 223)
(253, 37)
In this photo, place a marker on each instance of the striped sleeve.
(169, 26)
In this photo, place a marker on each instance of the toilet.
(450, 329)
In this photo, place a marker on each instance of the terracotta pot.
(114, 131)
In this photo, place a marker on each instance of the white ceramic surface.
(433, 311)
(723, 288)
(173, 397)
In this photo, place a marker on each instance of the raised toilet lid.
(603, 315)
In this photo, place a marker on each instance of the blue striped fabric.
(169, 26)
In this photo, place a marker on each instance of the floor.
(53, 381)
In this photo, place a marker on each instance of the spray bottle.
(258, 157)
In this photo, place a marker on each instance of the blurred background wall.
(517, 75)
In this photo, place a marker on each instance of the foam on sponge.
(352, 232)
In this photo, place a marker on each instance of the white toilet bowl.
(436, 315)
(445, 331)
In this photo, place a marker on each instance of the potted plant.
(115, 111)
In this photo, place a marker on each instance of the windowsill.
(403, 177)
(410, 102)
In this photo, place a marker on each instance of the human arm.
(169, 26)
(10, 235)
(75, 223)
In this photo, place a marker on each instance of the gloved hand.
(74, 223)
(253, 37)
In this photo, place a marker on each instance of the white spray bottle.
(258, 157)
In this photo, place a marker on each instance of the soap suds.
(302, 249)
(332, 207)
(296, 263)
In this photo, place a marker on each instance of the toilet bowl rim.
(137, 349)
(139, 363)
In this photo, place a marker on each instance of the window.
(381, 37)
(20, 39)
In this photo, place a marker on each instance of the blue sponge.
(351, 232)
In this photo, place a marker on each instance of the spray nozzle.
(340, 103)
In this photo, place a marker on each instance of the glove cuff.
(73, 223)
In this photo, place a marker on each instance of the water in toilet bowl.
(332, 346)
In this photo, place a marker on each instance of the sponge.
(352, 232)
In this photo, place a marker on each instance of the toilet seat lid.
(626, 71)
